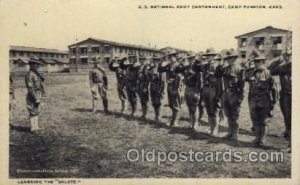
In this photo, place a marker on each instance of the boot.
(105, 105)
(256, 131)
(133, 108)
(123, 106)
(174, 121)
(157, 114)
(94, 105)
(235, 129)
(214, 126)
(201, 112)
(144, 111)
(230, 129)
(32, 123)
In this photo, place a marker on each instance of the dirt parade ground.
(78, 143)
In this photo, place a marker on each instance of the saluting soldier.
(143, 85)
(157, 87)
(133, 66)
(212, 89)
(175, 85)
(193, 87)
(36, 94)
(98, 85)
(120, 71)
(282, 68)
(233, 78)
(262, 97)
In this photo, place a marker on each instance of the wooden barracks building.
(269, 41)
(81, 53)
(54, 60)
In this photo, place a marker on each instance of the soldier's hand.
(270, 114)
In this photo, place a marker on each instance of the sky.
(59, 23)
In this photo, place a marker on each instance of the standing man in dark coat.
(36, 94)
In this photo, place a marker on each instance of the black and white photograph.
(141, 89)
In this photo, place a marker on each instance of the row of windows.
(37, 54)
(97, 50)
(260, 41)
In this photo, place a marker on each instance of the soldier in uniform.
(282, 68)
(132, 81)
(121, 80)
(212, 89)
(233, 76)
(36, 93)
(175, 85)
(157, 87)
(98, 85)
(193, 87)
(262, 97)
(143, 86)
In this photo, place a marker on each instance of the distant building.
(81, 53)
(268, 41)
(182, 52)
(54, 60)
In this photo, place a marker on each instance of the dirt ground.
(78, 143)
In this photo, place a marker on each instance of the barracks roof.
(268, 28)
(116, 44)
(33, 49)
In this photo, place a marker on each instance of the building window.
(243, 42)
(73, 51)
(277, 43)
(83, 51)
(21, 53)
(106, 49)
(84, 61)
(259, 43)
(121, 50)
(96, 50)
(13, 53)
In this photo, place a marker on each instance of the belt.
(209, 85)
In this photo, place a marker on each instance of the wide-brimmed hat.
(33, 61)
(209, 52)
(259, 58)
(136, 64)
(172, 52)
(232, 53)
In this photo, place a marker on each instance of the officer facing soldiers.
(282, 68)
(174, 85)
(233, 77)
(193, 88)
(120, 71)
(262, 97)
(98, 85)
(143, 86)
(157, 87)
(133, 66)
(36, 93)
(212, 89)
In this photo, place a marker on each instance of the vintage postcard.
(149, 91)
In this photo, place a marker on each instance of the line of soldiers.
(210, 80)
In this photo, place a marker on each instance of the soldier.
(262, 97)
(98, 85)
(36, 93)
(212, 89)
(157, 87)
(233, 76)
(133, 66)
(282, 67)
(175, 85)
(193, 89)
(143, 86)
(121, 80)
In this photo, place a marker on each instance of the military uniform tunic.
(36, 92)
(132, 84)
